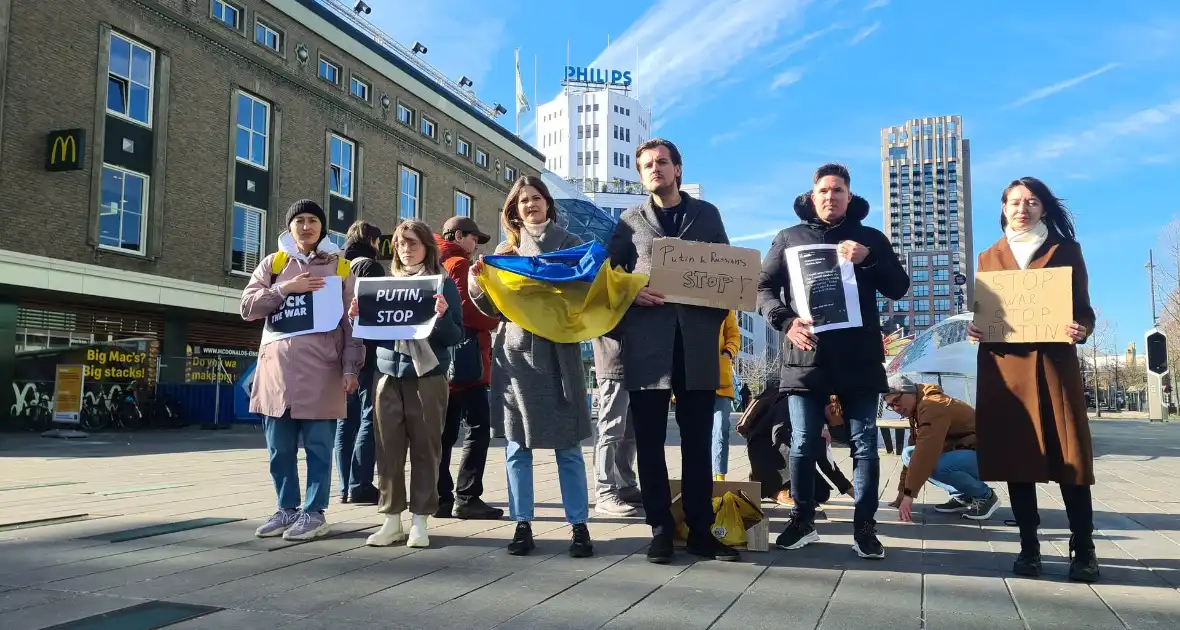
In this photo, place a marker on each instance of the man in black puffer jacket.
(847, 362)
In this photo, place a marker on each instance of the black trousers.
(1079, 508)
(468, 407)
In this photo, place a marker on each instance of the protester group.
(475, 370)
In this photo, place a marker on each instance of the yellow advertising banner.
(67, 394)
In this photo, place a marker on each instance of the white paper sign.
(823, 287)
(392, 308)
(306, 313)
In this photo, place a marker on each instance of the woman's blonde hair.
(420, 230)
(510, 217)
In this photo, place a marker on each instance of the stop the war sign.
(305, 313)
(395, 308)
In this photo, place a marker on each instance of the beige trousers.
(411, 413)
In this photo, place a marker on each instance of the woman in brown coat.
(1032, 425)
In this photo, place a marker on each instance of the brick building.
(184, 129)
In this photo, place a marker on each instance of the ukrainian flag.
(567, 296)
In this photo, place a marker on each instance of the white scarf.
(419, 350)
(536, 230)
(1025, 244)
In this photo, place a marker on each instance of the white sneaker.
(389, 534)
(418, 537)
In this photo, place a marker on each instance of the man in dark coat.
(671, 348)
(845, 359)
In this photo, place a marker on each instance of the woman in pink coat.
(307, 365)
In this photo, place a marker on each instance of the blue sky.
(757, 93)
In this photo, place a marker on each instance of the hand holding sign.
(350, 383)
(649, 297)
(440, 303)
(302, 283)
(388, 309)
(851, 250)
(801, 336)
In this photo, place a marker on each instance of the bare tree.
(1098, 344)
(755, 371)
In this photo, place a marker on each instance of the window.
(882, 306)
(405, 115)
(616, 158)
(921, 290)
(226, 13)
(409, 192)
(428, 128)
(481, 158)
(628, 139)
(247, 238)
(941, 260)
(580, 131)
(463, 147)
(361, 89)
(942, 289)
(329, 72)
(340, 167)
(918, 261)
(921, 305)
(253, 130)
(265, 35)
(920, 276)
(595, 125)
(596, 157)
(130, 80)
(336, 238)
(510, 173)
(462, 204)
(122, 222)
(942, 275)
(942, 305)
(921, 320)
(939, 317)
(901, 305)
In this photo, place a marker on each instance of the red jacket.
(457, 262)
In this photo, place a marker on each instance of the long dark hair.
(510, 216)
(1056, 216)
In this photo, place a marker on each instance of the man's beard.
(665, 188)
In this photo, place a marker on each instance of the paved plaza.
(97, 567)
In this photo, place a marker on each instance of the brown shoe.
(784, 499)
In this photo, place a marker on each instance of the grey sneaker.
(308, 526)
(632, 495)
(610, 505)
(954, 506)
(982, 509)
(277, 524)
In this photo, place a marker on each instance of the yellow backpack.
(343, 267)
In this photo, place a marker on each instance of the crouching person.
(306, 365)
(412, 396)
(943, 451)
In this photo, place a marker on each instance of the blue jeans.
(571, 474)
(808, 446)
(957, 472)
(356, 444)
(722, 407)
(282, 445)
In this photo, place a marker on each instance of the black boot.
(1083, 562)
(581, 547)
(522, 542)
(1028, 563)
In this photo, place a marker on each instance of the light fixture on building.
(464, 82)
(500, 111)
(361, 7)
(385, 101)
(418, 49)
(301, 54)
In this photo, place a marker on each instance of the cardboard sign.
(395, 308)
(306, 313)
(67, 394)
(823, 287)
(705, 274)
(1030, 306)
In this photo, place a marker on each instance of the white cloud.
(685, 45)
(754, 237)
(863, 33)
(462, 35)
(779, 55)
(788, 77)
(741, 129)
(1050, 90)
(876, 4)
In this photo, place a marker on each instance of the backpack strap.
(343, 267)
(278, 264)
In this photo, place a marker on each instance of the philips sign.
(575, 74)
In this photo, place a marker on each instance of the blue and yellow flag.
(567, 296)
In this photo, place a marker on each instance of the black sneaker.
(1028, 563)
(1083, 562)
(660, 551)
(865, 541)
(476, 510)
(366, 495)
(797, 535)
(982, 509)
(581, 547)
(954, 506)
(445, 509)
(522, 542)
(710, 548)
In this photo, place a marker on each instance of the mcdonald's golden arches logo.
(66, 150)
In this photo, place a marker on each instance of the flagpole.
(517, 100)
(536, 103)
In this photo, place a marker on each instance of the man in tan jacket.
(943, 451)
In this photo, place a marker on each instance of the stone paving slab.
(944, 572)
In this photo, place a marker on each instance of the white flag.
(522, 101)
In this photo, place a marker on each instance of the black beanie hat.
(307, 206)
